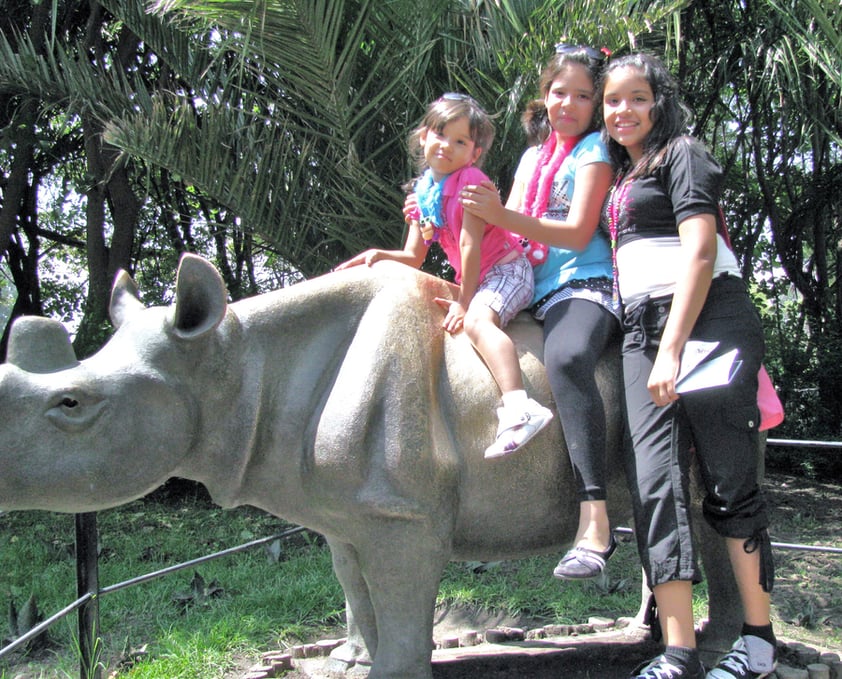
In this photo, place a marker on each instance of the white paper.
(716, 372)
(695, 351)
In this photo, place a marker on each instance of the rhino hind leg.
(725, 612)
(361, 642)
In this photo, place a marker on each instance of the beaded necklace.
(616, 204)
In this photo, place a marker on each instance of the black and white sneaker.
(749, 658)
(664, 668)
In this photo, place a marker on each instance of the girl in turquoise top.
(559, 189)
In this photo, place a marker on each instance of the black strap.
(760, 540)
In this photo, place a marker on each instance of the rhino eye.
(75, 412)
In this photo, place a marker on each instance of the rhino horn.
(40, 345)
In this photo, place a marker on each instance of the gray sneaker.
(662, 668)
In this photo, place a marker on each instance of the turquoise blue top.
(562, 265)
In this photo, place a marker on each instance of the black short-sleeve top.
(647, 212)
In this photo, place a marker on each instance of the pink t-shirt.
(496, 242)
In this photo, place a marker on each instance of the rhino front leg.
(403, 571)
(361, 643)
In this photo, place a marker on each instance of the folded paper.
(700, 372)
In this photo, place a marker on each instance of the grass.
(198, 622)
(250, 601)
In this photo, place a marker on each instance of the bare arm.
(574, 233)
(698, 248)
(470, 240)
(413, 253)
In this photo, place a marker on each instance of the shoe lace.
(736, 659)
(660, 669)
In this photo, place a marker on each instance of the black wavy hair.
(670, 115)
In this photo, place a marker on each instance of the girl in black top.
(679, 283)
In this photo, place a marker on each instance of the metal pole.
(87, 583)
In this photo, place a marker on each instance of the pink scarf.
(537, 198)
(550, 158)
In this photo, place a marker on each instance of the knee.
(571, 361)
(476, 325)
(736, 518)
(472, 327)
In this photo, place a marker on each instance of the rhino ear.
(125, 299)
(200, 298)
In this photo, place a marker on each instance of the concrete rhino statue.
(338, 404)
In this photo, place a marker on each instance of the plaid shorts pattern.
(506, 289)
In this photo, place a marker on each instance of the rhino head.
(81, 436)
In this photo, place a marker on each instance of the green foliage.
(267, 601)
(275, 598)
(24, 618)
(526, 588)
(201, 593)
(7, 294)
(271, 137)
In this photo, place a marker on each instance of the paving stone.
(818, 671)
(807, 655)
(450, 642)
(470, 638)
(600, 624)
(786, 672)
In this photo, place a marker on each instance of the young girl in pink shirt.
(494, 277)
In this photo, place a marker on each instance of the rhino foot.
(635, 628)
(335, 667)
(339, 669)
(350, 658)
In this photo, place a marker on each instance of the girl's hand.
(428, 230)
(410, 207)
(661, 383)
(368, 258)
(455, 318)
(482, 200)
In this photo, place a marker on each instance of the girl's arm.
(413, 253)
(698, 250)
(574, 233)
(516, 194)
(470, 241)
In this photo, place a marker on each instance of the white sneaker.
(749, 658)
(517, 427)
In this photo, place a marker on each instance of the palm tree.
(287, 119)
(306, 105)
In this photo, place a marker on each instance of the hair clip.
(591, 52)
(457, 96)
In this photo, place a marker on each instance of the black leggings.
(576, 333)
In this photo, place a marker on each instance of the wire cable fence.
(89, 591)
(87, 585)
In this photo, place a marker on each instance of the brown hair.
(447, 108)
(534, 118)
